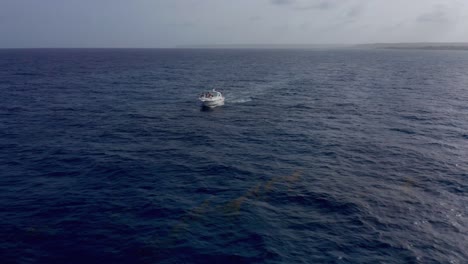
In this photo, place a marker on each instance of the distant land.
(418, 45)
(421, 45)
(265, 46)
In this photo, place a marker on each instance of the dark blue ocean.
(318, 156)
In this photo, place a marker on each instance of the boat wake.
(251, 91)
(239, 100)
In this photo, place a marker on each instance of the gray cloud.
(354, 11)
(282, 2)
(182, 24)
(166, 23)
(439, 15)
(326, 4)
(309, 4)
(255, 18)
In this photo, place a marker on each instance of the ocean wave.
(302, 165)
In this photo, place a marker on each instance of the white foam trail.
(253, 91)
(240, 100)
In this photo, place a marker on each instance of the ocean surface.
(318, 156)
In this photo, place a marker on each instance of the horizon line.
(198, 46)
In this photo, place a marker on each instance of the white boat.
(212, 99)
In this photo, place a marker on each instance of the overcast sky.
(168, 23)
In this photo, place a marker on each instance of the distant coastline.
(264, 46)
(419, 46)
(400, 46)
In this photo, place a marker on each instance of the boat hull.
(211, 99)
(212, 103)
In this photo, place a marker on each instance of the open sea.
(318, 156)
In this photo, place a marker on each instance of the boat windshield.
(211, 94)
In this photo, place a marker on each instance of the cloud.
(325, 4)
(304, 5)
(255, 18)
(439, 15)
(354, 11)
(163, 23)
(182, 24)
(308, 4)
(282, 2)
